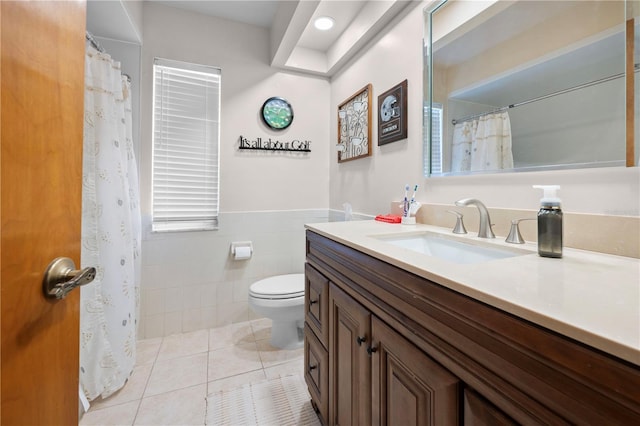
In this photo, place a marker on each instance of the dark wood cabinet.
(316, 339)
(316, 373)
(409, 388)
(349, 361)
(317, 303)
(479, 412)
(443, 357)
(376, 376)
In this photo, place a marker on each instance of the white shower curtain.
(110, 230)
(483, 144)
(461, 146)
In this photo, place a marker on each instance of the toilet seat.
(279, 287)
(281, 299)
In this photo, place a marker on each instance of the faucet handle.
(514, 236)
(459, 228)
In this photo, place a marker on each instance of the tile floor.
(174, 374)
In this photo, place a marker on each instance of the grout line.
(207, 372)
(153, 366)
(209, 350)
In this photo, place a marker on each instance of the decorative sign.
(354, 131)
(271, 145)
(392, 114)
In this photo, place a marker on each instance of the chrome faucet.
(484, 230)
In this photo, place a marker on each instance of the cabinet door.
(316, 303)
(409, 388)
(349, 363)
(316, 373)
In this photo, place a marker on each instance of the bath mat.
(282, 401)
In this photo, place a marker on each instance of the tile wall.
(191, 282)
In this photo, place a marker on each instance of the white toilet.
(281, 298)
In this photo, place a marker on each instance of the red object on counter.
(389, 218)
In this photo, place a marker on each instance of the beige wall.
(189, 280)
(250, 181)
(369, 184)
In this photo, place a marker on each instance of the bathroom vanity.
(394, 336)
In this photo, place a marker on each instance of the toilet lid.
(278, 287)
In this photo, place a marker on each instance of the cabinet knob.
(311, 302)
(371, 350)
(312, 367)
(361, 340)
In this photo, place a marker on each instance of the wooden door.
(316, 302)
(316, 373)
(408, 387)
(349, 363)
(41, 115)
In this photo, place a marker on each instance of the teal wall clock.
(277, 113)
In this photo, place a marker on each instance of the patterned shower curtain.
(482, 144)
(110, 230)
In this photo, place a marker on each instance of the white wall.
(369, 184)
(188, 279)
(135, 10)
(578, 129)
(249, 181)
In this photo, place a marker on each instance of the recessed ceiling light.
(324, 23)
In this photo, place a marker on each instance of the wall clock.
(277, 113)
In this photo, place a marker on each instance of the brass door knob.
(62, 276)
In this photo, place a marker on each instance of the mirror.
(530, 85)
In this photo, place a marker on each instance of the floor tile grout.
(253, 328)
(153, 364)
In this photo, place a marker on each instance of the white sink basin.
(450, 249)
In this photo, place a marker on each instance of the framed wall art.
(392, 114)
(354, 128)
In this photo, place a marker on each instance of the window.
(186, 132)
(433, 161)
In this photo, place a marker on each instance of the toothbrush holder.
(413, 208)
(410, 218)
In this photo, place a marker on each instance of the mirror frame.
(632, 157)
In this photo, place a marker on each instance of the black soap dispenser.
(549, 223)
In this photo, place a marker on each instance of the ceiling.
(263, 13)
(260, 13)
(295, 43)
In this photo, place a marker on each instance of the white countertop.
(591, 297)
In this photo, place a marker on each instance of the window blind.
(433, 161)
(186, 129)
